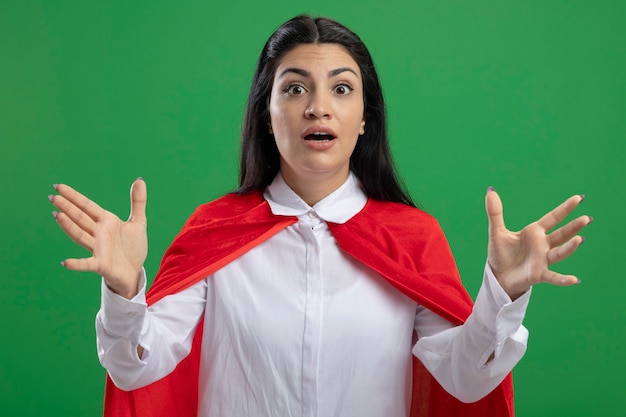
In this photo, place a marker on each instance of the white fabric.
(295, 327)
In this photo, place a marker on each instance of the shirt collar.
(338, 207)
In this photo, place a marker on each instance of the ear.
(362, 128)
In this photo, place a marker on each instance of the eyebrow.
(307, 74)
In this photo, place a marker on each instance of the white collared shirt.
(296, 327)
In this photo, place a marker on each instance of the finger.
(80, 201)
(555, 278)
(74, 213)
(571, 229)
(561, 252)
(81, 264)
(556, 216)
(138, 199)
(74, 232)
(493, 205)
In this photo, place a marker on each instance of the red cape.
(404, 245)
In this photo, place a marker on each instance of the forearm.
(469, 361)
(139, 345)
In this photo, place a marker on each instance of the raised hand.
(521, 259)
(118, 248)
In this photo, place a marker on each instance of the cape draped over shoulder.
(403, 244)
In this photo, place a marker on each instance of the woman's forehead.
(326, 56)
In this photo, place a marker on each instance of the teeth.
(320, 136)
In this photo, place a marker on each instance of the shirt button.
(312, 215)
(133, 314)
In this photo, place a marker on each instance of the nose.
(319, 107)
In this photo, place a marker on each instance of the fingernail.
(590, 219)
(490, 188)
(583, 240)
(55, 186)
(582, 197)
(55, 214)
(50, 197)
(578, 282)
(140, 178)
(63, 264)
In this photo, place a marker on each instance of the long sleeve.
(165, 331)
(460, 357)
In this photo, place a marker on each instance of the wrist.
(128, 289)
(512, 288)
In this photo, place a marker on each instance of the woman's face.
(316, 114)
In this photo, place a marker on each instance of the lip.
(319, 128)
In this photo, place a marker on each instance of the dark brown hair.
(371, 160)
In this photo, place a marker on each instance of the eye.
(294, 89)
(343, 89)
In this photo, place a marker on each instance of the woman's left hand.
(521, 259)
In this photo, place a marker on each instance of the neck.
(314, 188)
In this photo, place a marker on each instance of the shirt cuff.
(120, 316)
(496, 311)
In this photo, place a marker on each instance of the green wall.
(527, 96)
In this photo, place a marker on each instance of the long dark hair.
(371, 160)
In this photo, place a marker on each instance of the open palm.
(522, 259)
(119, 248)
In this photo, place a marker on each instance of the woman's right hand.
(118, 248)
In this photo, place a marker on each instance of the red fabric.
(404, 245)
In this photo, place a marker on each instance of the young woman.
(317, 288)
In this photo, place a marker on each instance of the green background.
(527, 96)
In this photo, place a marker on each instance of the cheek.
(276, 116)
(274, 111)
(280, 127)
(281, 131)
(353, 114)
(283, 121)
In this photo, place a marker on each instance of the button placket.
(311, 219)
(311, 336)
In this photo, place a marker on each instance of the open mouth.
(319, 136)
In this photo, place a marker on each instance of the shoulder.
(396, 215)
(229, 206)
(383, 221)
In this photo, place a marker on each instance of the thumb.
(138, 199)
(493, 205)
